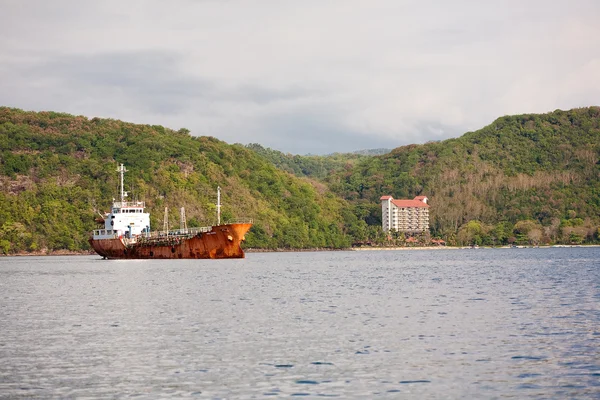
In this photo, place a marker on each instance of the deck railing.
(239, 221)
(172, 234)
(129, 204)
(178, 232)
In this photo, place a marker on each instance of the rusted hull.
(222, 241)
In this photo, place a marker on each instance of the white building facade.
(410, 216)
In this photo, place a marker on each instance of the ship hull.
(223, 241)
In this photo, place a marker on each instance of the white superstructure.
(126, 218)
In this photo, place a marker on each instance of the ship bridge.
(126, 218)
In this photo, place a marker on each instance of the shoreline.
(419, 248)
(475, 248)
(51, 253)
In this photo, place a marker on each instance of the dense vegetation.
(319, 167)
(525, 179)
(57, 171)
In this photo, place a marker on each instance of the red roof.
(409, 203)
(418, 201)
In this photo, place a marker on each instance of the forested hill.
(57, 171)
(526, 178)
(311, 166)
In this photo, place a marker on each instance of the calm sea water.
(485, 323)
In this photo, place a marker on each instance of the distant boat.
(126, 235)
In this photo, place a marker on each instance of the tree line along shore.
(523, 180)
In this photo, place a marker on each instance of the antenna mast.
(218, 205)
(183, 222)
(122, 170)
(166, 220)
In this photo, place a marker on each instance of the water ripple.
(459, 324)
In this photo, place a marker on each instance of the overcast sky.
(304, 76)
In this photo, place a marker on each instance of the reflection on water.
(485, 323)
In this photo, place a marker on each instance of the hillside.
(524, 178)
(57, 171)
(318, 167)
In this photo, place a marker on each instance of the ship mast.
(218, 205)
(182, 221)
(166, 220)
(122, 170)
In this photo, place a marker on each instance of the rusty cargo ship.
(126, 235)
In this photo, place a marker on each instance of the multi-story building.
(410, 216)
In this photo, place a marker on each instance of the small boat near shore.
(127, 235)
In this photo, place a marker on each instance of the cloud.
(302, 77)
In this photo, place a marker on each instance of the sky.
(304, 76)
